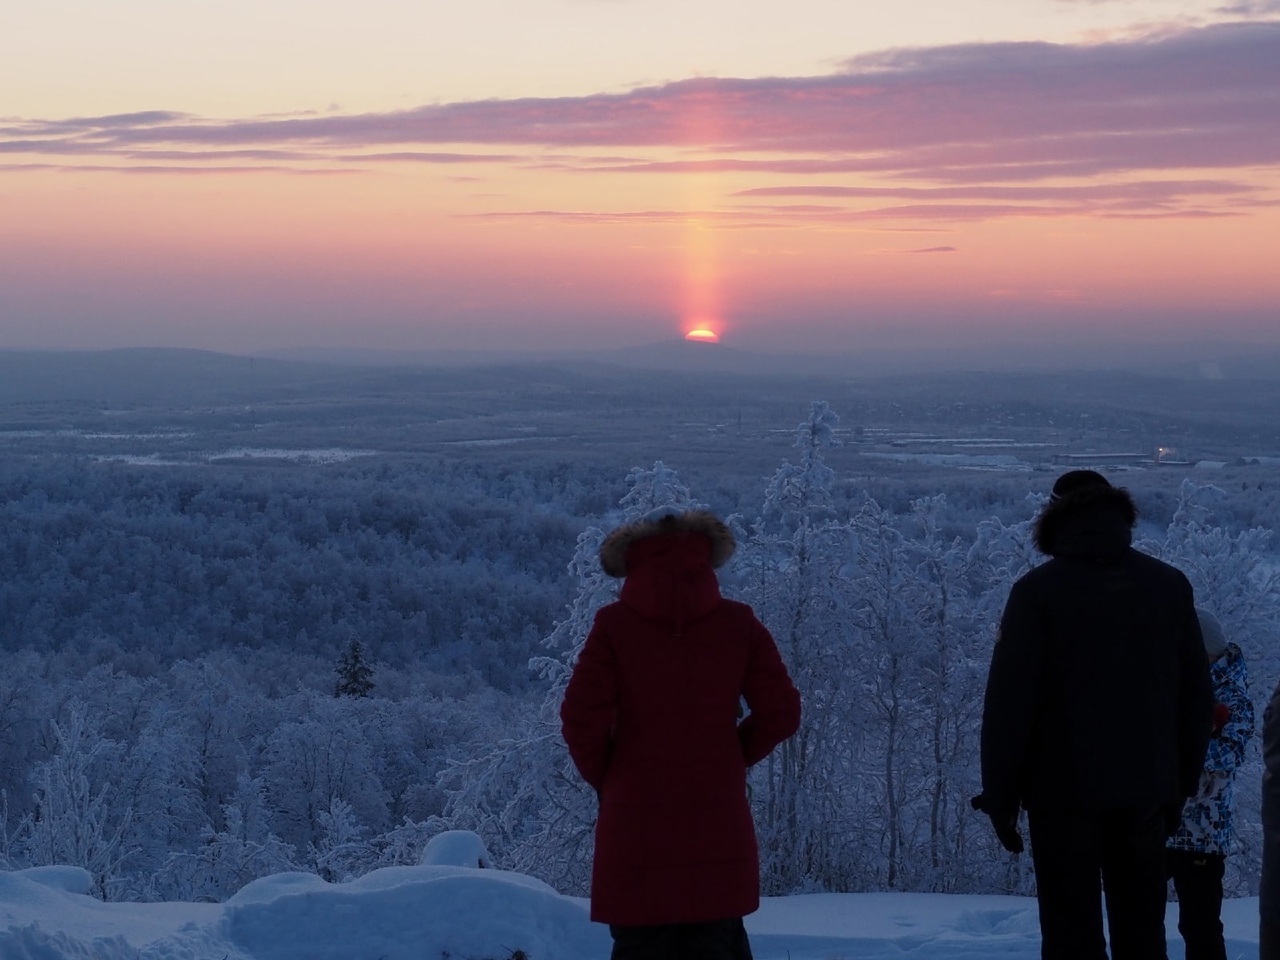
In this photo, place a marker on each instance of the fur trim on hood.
(1092, 521)
(613, 552)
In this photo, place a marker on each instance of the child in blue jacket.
(1197, 851)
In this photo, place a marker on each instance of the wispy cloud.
(178, 170)
(421, 156)
(1251, 8)
(202, 156)
(810, 216)
(968, 130)
(1141, 198)
(1151, 190)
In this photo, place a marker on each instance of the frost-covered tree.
(322, 753)
(999, 554)
(21, 713)
(880, 571)
(244, 850)
(950, 680)
(1233, 573)
(342, 851)
(155, 778)
(210, 703)
(79, 817)
(7, 861)
(788, 568)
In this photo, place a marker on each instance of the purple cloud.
(1154, 190)
(144, 118)
(1250, 8)
(988, 125)
(169, 170)
(419, 156)
(220, 155)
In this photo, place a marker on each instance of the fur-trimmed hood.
(614, 550)
(669, 564)
(1092, 522)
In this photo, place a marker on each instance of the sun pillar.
(702, 319)
(701, 311)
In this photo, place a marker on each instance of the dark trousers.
(1269, 889)
(1080, 859)
(1197, 880)
(714, 940)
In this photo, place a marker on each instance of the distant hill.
(673, 355)
(1177, 359)
(175, 376)
(196, 377)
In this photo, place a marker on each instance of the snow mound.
(410, 913)
(32, 943)
(456, 848)
(68, 879)
(32, 902)
(43, 916)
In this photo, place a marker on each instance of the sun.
(703, 335)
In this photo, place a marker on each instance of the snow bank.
(411, 913)
(45, 914)
(68, 879)
(32, 943)
(883, 925)
(435, 911)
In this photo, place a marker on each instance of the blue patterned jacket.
(1207, 817)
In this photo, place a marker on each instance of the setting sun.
(703, 334)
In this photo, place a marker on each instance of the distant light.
(703, 334)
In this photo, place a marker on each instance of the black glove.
(1004, 821)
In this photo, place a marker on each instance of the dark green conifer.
(355, 676)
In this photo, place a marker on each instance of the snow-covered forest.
(214, 677)
(215, 670)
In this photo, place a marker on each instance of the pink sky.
(965, 192)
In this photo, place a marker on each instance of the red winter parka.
(651, 718)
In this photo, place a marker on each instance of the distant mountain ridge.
(1172, 359)
(185, 377)
(143, 373)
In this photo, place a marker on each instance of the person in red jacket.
(653, 720)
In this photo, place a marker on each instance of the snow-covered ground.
(437, 911)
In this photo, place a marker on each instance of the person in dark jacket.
(1096, 720)
(1269, 892)
(651, 717)
(1197, 852)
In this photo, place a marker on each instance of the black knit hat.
(1074, 481)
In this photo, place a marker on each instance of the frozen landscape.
(267, 629)
(336, 338)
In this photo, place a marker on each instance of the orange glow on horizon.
(703, 334)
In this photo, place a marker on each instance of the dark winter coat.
(651, 718)
(1099, 695)
(1208, 818)
(1269, 892)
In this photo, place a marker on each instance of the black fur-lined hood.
(1096, 521)
(613, 552)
